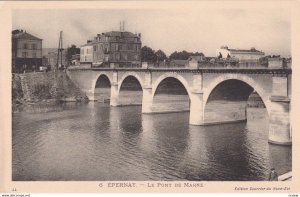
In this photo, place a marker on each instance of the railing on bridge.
(209, 63)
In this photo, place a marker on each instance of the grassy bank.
(49, 87)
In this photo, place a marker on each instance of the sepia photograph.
(172, 91)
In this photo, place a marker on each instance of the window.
(136, 57)
(24, 54)
(34, 54)
(120, 47)
(124, 56)
(34, 46)
(118, 56)
(95, 48)
(25, 46)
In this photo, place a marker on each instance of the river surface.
(96, 142)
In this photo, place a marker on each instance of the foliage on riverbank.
(32, 88)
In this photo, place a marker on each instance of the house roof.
(25, 35)
(121, 34)
(124, 34)
(253, 50)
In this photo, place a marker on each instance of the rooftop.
(20, 34)
(252, 50)
(113, 34)
(120, 34)
(245, 50)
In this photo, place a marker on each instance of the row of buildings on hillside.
(118, 48)
(122, 49)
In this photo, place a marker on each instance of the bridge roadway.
(202, 84)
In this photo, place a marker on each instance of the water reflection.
(280, 158)
(98, 142)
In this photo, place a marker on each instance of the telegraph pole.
(59, 52)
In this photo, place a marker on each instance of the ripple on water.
(97, 142)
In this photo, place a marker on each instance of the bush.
(42, 91)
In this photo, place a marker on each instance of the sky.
(203, 30)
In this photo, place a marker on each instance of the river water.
(96, 142)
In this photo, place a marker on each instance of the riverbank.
(285, 177)
(48, 88)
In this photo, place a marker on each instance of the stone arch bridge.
(273, 85)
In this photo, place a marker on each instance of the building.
(50, 57)
(75, 60)
(240, 54)
(117, 48)
(194, 61)
(26, 51)
(86, 53)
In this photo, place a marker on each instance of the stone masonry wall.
(50, 85)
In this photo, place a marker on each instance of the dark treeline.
(150, 55)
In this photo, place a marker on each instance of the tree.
(73, 50)
(160, 55)
(220, 55)
(147, 54)
(184, 55)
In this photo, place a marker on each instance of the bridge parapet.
(197, 83)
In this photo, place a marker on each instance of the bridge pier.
(147, 100)
(147, 94)
(196, 101)
(114, 91)
(114, 95)
(279, 125)
(196, 109)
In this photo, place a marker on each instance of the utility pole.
(59, 52)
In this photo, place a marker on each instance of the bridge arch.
(107, 75)
(130, 89)
(180, 78)
(170, 93)
(129, 74)
(239, 77)
(101, 87)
